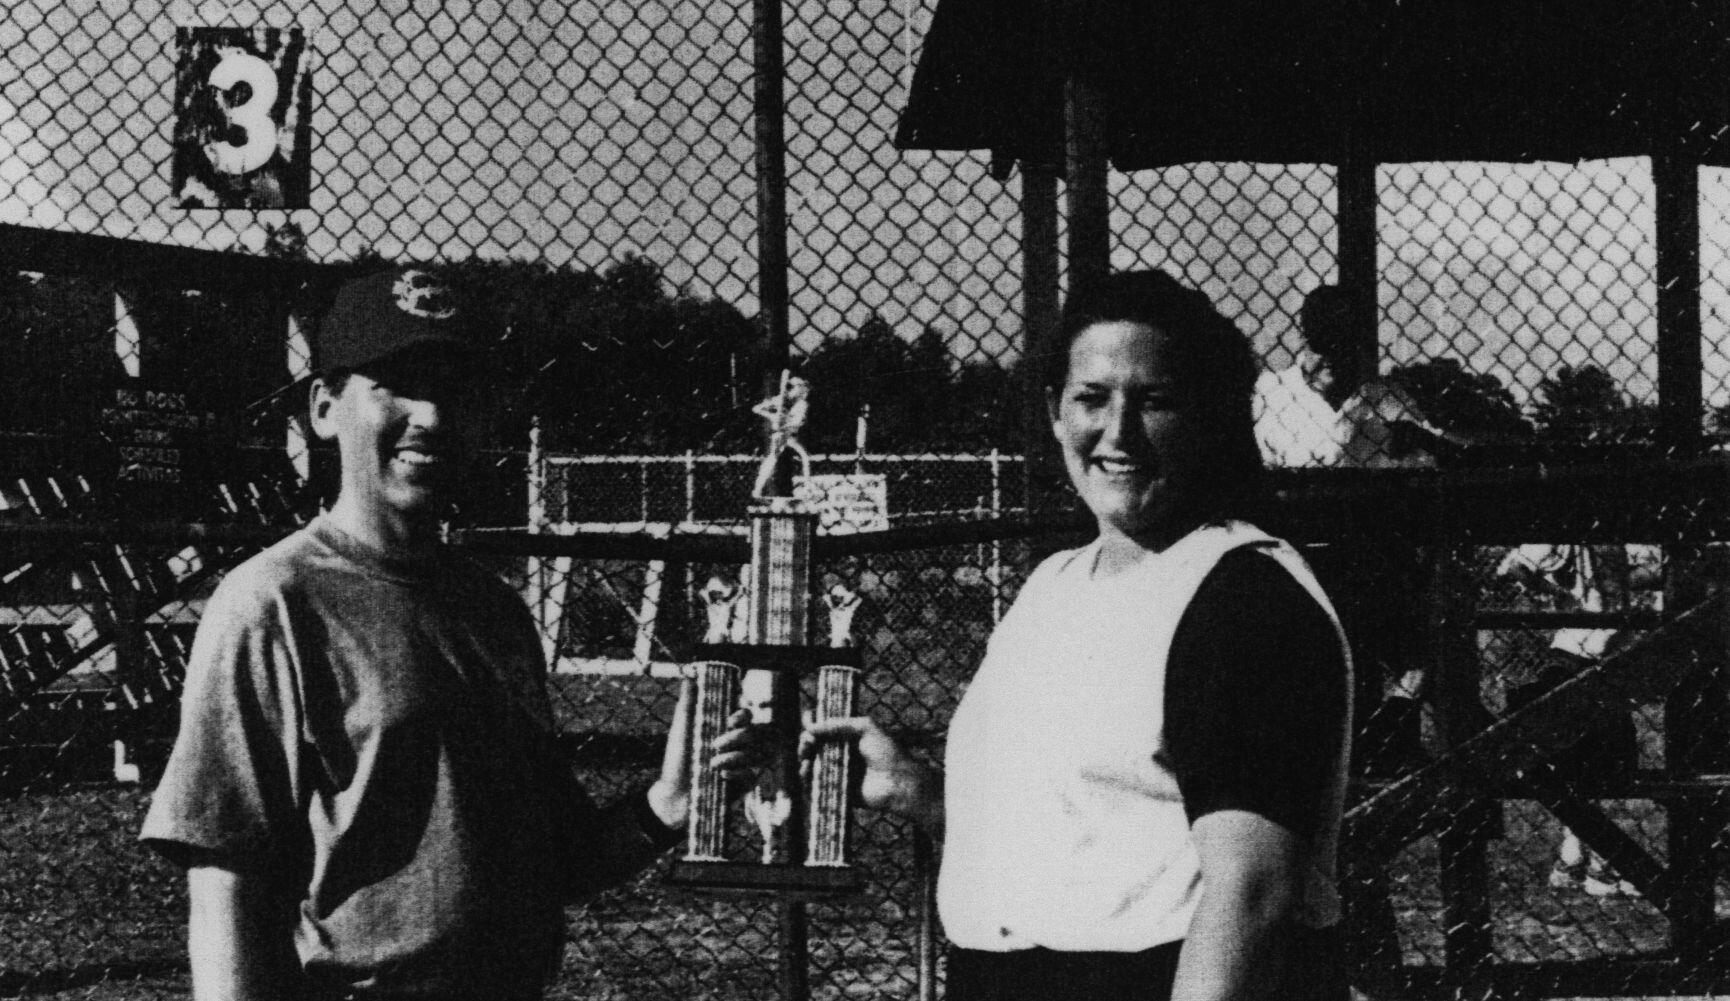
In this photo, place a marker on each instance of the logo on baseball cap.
(388, 312)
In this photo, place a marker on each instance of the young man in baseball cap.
(365, 790)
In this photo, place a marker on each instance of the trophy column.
(778, 612)
(802, 832)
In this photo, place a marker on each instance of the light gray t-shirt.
(376, 733)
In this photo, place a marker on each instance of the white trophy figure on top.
(785, 412)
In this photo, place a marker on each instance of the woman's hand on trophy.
(892, 779)
(736, 755)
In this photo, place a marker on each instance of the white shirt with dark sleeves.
(1294, 425)
(1110, 713)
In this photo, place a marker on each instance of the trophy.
(800, 823)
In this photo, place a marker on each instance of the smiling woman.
(1143, 782)
(1128, 435)
(1147, 398)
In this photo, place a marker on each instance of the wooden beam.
(1494, 759)
(1457, 713)
(1042, 311)
(1676, 189)
(1355, 215)
(1630, 860)
(1088, 183)
(1695, 718)
(26, 248)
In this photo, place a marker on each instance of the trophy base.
(752, 877)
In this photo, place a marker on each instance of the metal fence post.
(299, 349)
(128, 345)
(996, 545)
(925, 875)
(769, 114)
(690, 487)
(539, 568)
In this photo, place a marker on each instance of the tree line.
(616, 360)
(1576, 409)
(619, 361)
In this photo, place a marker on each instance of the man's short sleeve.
(1256, 699)
(229, 793)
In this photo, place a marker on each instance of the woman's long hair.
(1214, 365)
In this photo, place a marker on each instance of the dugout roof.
(1381, 80)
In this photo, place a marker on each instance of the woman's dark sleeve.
(1255, 696)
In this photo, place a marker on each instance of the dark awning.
(1304, 82)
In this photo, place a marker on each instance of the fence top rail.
(1523, 504)
(1635, 499)
(144, 532)
(828, 457)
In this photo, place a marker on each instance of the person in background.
(1143, 783)
(1583, 578)
(365, 791)
(1324, 410)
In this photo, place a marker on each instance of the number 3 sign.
(242, 133)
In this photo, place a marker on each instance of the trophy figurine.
(800, 826)
(726, 620)
(785, 412)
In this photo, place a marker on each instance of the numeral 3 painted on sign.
(250, 138)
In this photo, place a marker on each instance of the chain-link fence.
(1564, 842)
(1460, 871)
(693, 492)
(92, 664)
(1532, 586)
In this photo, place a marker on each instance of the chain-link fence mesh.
(1538, 275)
(1540, 711)
(1254, 237)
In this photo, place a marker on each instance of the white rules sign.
(846, 502)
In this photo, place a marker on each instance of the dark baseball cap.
(386, 313)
